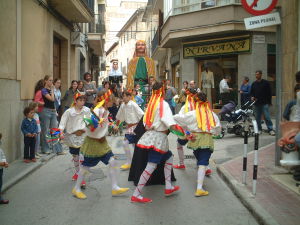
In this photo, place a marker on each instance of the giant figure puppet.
(140, 68)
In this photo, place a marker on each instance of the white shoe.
(272, 132)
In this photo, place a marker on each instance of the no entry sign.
(259, 7)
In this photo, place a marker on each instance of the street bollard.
(255, 161)
(246, 130)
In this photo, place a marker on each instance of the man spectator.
(193, 86)
(225, 89)
(261, 94)
(170, 93)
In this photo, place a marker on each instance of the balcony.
(228, 18)
(97, 25)
(186, 6)
(157, 52)
(96, 30)
(156, 41)
(77, 11)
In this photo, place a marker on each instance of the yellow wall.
(8, 56)
(38, 29)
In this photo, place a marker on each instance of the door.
(56, 58)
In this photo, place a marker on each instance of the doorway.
(221, 66)
(56, 58)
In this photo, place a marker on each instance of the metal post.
(278, 89)
(255, 160)
(246, 131)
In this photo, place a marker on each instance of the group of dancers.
(147, 132)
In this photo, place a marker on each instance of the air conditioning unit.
(78, 39)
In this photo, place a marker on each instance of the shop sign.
(262, 21)
(216, 47)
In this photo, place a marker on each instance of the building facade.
(199, 34)
(40, 38)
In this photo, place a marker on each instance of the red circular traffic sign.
(259, 7)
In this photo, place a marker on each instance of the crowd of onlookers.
(44, 112)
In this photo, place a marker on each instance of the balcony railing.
(186, 6)
(155, 41)
(98, 26)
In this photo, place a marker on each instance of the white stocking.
(201, 175)
(127, 151)
(113, 169)
(76, 163)
(180, 153)
(167, 171)
(83, 170)
(144, 178)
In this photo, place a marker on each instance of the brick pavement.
(280, 202)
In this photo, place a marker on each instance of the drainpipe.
(278, 88)
(19, 38)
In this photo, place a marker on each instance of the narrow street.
(44, 197)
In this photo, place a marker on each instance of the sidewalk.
(18, 170)
(277, 200)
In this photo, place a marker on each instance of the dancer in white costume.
(73, 126)
(202, 123)
(131, 113)
(95, 147)
(158, 119)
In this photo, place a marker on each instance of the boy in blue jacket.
(30, 130)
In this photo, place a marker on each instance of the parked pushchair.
(236, 118)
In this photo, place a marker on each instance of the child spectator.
(34, 106)
(3, 164)
(30, 130)
(138, 99)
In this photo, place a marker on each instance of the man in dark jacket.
(261, 93)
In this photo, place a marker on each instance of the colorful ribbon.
(204, 115)
(55, 134)
(156, 98)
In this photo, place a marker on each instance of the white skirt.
(154, 140)
(74, 141)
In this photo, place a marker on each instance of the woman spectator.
(57, 94)
(48, 116)
(182, 95)
(105, 85)
(38, 95)
(245, 91)
(69, 95)
(90, 90)
(80, 87)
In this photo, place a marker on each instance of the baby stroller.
(235, 118)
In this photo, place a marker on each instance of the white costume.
(154, 137)
(131, 113)
(72, 121)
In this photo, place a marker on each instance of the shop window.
(220, 67)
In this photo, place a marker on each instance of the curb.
(16, 179)
(247, 199)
